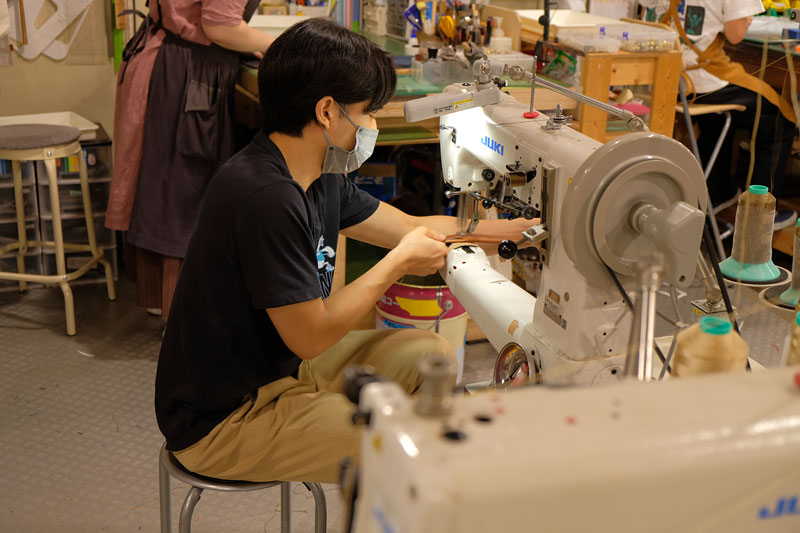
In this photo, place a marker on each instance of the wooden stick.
(22, 23)
(471, 237)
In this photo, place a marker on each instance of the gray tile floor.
(79, 442)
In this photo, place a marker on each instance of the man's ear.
(324, 110)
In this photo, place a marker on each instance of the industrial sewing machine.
(601, 208)
(712, 453)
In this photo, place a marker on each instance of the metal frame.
(48, 155)
(707, 170)
(169, 466)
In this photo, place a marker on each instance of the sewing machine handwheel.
(507, 249)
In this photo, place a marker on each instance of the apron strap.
(250, 9)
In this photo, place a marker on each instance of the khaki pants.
(300, 429)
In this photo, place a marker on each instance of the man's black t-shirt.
(261, 242)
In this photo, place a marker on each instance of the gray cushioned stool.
(43, 142)
(169, 466)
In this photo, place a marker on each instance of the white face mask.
(340, 161)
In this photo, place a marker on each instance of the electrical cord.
(629, 304)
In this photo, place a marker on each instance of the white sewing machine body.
(577, 330)
(712, 453)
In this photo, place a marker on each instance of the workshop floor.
(79, 440)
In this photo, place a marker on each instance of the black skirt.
(188, 135)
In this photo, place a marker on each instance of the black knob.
(530, 175)
(487, 203)
(507, 249)
(356, 378)
(488, 174)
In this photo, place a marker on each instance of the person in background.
(173, 128)
(704, 25)
(250, 380)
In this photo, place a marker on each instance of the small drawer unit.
(8, 263)
(70, 197)
(8, 230)
(75, 260)
(74, 229)
(8, 207)
(6, 169)
(98, 163)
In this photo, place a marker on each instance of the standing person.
(249, 383)
(173, 128)
(703, 26)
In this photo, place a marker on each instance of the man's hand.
(420, 252)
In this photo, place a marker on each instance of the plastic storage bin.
(8, 230)
(60, 118)
(98, 160)
(440, 72)
(71, 199)
(8, 207)
(75, 260)
(511, 58)
(588, 41)
(74, 229)
(639, 38)
(98, 164)
(8, 263)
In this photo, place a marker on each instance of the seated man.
(704, 25)
(249, 381)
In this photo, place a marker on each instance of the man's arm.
(735, 30)
(388, 225)
(310, 328)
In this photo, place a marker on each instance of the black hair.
(317, 58)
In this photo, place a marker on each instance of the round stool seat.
(32, 136)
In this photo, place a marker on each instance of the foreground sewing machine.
(712, 453)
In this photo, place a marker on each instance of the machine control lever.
(508, 249)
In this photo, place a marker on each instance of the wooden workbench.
(394, 130)
(599, 71)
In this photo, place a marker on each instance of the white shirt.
(707, 18)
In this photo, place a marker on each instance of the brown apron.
(188, 135)
(714, 60)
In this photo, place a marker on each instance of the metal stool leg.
(185, 520)
(165, 505)
(286, 507)
(58, 237)
(21, 233)
(320, 507)
(717, 146)
(88, 215)
(690, 127)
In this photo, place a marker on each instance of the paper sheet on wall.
(614, 9)
(51, 26)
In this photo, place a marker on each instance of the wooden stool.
(169, 467)
(39, 142)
